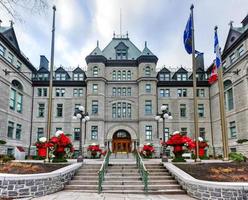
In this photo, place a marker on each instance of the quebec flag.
(217, 50)
(187, 36)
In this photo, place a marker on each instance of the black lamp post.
(161, 118)
(83, 117)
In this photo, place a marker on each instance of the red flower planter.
(201, 152)
(42, 152)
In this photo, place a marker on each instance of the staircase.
(85, 180)
(161, 182)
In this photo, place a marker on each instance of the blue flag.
(217, 50)
(187, 36)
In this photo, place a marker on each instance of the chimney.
(199, 61)
(43, 62)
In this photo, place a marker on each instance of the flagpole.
(49, 114)
(197, 159)
(222, 109)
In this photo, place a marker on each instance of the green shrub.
(59, 160)
(237, 157)
(2, 142)
(6, 158)
(178, 159)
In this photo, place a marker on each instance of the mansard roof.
(9, 34)
(43, 70)
(146, 51)
(164, 70)
(109, 51)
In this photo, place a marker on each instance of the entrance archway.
(121, 142)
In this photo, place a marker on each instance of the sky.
(80, 23)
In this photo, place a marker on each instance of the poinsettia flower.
(42, 139)
(200, 139)
(58, 133)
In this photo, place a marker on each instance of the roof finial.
(97, 43)
(127, 34)
(0, 22)
(145, 44)
(113, 34)
(11, 23)
(231, 24)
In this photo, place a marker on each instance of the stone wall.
(33, 185)
(206, 190)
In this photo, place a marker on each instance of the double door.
(121, 145)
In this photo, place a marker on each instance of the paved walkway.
(93, 196)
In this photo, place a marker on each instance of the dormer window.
(60, 76)
(121, 54)
(43, 77)
(121, 51)
(164, 76)
(78, 77)
(181, 77)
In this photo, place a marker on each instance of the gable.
(121, 45)
(9, 34)
(233, 35)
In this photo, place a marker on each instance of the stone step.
(85, 177)
(83, 182)
(81, 187)
(121, 173)
(169, 191)
(122, 170)
(88, 171)
(113, 178)
(141, 187)
(86, 174)
(157, 170)
(122, 182)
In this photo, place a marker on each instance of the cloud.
(160, 22)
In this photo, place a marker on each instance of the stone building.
(122, 93)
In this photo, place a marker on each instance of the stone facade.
(122, 91)
(20, 186)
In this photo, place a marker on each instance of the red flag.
(213, 77)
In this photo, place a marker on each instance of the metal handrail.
(102, 171)
(142, 170)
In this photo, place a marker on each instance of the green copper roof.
(110, 50)
(146, 51)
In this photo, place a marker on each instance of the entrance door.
(121, 142)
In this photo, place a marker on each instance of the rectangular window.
(179, 77)
(201, 110)
(229, 99)
(167, 92)
(78, 77)
(166, 133)
(128, 75)
(18, 131)
(124, 75)
(202, 133)
(76, 107)
(40, 133)
(41, 110)
(232, 129)
(184, 77)
(18, 65)
(114, 91)
(12, 101)
(224, 65)
(39, 92)
(182, 92)
(44, 92)
(94, 107)
(148, 107)
(148, 133)
(58, 129)
(161, 77)
(94, 132)
(60, 92)
(233, 149)
(124, 91)
(161, 92)
(10, 151)
(184, 131)
(10, 57)
(2, 50)
(118, 91)
(77, 92)
(95, 88)
(148, 88)
(200, 92)
(19, 103)
(59, 110)
(77, 134)
(10, 129)
(241, 50)
(232, 57)
(182, 110)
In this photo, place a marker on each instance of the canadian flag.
(213, 77)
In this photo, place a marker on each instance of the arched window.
(114, 75)
(119, 75)
(95, 71)
(128, 75)
(114, 91)
(148, 71)
(228, 92)
(16, 97)
(121, 110)
(124, 75)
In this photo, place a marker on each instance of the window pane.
(94, 132)
(77, 134)
(40, 133)
(18, 131)
(12, 100)
(59, 110)
(148, 107)
(41, 110)
(94, 107)
(19, 102)
(10, 129)
(148, 132)
(201, 110)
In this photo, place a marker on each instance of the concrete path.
(93, 196)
